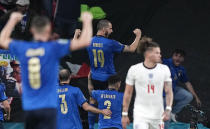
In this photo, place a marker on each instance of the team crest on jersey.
(150, 75)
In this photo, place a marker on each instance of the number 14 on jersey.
(151, 89)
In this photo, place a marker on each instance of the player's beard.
(106, 34)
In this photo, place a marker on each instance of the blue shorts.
(41, 119)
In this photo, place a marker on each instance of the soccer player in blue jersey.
(39, 60)
(110, 99)
(69, 99)
(182, 97)
(5, 104)
(101, 53)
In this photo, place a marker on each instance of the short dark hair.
(179, 51)
(39, 22)
(103, 24)
(64, 75)
(114, 79)
(146, 43)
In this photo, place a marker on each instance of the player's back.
(101, 53)
(109, 99)
(69, 100)
(39, 70)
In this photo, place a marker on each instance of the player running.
(39, 61)
(110, 99)
(69, 99)
(150, 79)
(101, 53)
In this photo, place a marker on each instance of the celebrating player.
(150, 79)
(101, 53)
(39, 61)
(69, 100)
(110, 99)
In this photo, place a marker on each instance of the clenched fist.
(86, 17)
(137, 32)
(16, 16)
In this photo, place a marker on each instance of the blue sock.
(91, 118)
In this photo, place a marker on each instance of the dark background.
(173, 24)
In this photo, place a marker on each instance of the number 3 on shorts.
(34, 67)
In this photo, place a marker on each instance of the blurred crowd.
(64, 15)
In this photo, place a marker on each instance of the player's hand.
(166, 115)
(16, 16)
(137, 32)
(106, 112)
(198, 102)
(125, 121)
(6, 117)
(86, 17)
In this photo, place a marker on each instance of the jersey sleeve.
(80, 97)
(15, 47)
(130, 79)
(62, 47)
(184, 77)
(3, 96)
(167, 75)
(117, 46)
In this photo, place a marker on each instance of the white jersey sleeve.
(167, 74)
(130, 79)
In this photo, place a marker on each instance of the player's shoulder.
(102, 38)
(162, 66)
(61, 41)
(73, 88)
(120, 93)
(137, 66)
(98, 91)
(69, 87)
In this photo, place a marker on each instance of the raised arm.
(86, 34)
(5, 36)
(133, 46)
(126, 102)
(169, 100)
(88, 107)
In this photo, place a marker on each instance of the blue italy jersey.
(178, 73)
(69, 100)
(101, 53)
(39, 71)
(3, 97)
(109, 99)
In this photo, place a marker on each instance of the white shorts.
(148, 124)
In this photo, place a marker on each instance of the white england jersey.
(149, 85)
